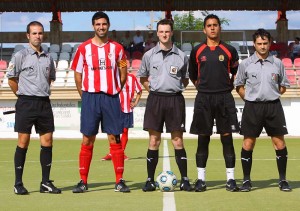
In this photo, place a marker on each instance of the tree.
(188, 21)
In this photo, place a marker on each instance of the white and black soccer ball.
(166, 181)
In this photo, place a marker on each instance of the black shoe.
(284, 186)
(200, 186)
(231, 185)
(48, 187)
(19, 189)
(121, 187)
(81, 187)
(149, 186)
(185, 185)
(246, 187)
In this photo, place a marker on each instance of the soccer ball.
(166, 181)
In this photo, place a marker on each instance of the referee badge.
(274, 77)
(221, 58)
(173, 70)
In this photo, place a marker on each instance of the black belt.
(29, 97)
(265, 102)
(166, 94)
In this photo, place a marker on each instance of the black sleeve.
(193, 65)
(234, 63)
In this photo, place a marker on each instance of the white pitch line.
(168, 197)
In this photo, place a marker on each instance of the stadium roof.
(141, 5)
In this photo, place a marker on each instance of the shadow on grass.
(100, 186)
(256, 184)
(144, 158)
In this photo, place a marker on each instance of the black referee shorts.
(165, 108)
(259, 115)
(33, 110)
(209, 107)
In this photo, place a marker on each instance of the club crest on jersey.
(203, 58)
(109, 56)
(173, 70)
(274, 77)
(221, 58)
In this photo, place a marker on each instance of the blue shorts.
(100, 107)
(128, 120)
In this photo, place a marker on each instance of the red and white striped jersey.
(132, 85)
(99, 66)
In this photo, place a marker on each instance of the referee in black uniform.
(213, 65)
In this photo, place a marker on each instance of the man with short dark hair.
(260, 82)
(100, 74)
(164, 75)
(213, 65)
(30, 74)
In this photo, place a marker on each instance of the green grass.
(101, 196)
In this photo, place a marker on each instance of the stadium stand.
(3, 65)
(128, 63)
(66, 48)
(45, 47)
(18, 47)
(60, 78)
(5, 82)
(282, 50)
(127, 53)
(297, 69)
(196, 43)
(75, 47)
(236, 46)
(72, 56)
(292, 79)
(70, 79)
(290, 71)
(187, 53)
(287, 63)
(54, 56)
(297, 63)
(64, 56)
(186, 47)
(135, 64)
(62, 65)
(54, 48)
(137, 55)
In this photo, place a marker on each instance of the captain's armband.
(122, 63)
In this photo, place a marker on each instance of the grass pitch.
(265, 194)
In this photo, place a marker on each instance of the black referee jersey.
(211, 67)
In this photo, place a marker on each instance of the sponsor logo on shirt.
(102, 65)
(203, 58)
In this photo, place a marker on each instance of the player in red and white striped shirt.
(127, 104)
(100, 74)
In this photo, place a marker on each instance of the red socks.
(85, 157)
(124, 138)
(118, 160)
